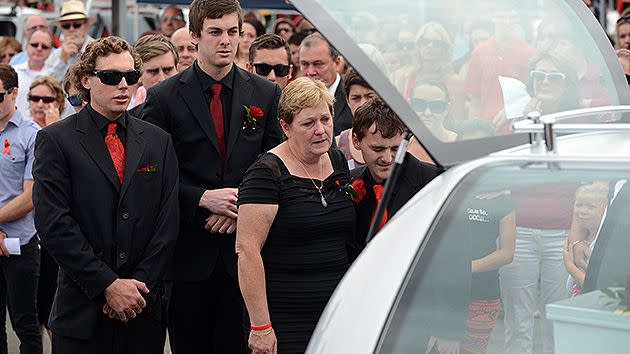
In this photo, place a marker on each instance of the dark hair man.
(319, 60)
(20, 273)
(270, 57)
(106, 208)
(220, 118)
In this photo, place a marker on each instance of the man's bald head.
(186, 49)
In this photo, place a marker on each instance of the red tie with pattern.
(116, 149)
(378, 193)
(216, 111)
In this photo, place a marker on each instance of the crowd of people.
(186, 184)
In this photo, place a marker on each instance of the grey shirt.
(17, 145)
(57, 68)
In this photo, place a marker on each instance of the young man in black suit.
(377, 133)
(220, 118)
(106, 208)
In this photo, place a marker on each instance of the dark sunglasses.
(75, 101)
(113, 77)
(38, 45)
(420, 105)
(45, 99)
(541, 76)
(435, 43)
(10, 55)
(264, 69)
(75, 25)
(9, 91)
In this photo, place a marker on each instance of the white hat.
(74, 10)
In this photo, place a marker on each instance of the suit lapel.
(340, 101)
(93, 142)
(195, 100)
(241, 94)
(133, 151)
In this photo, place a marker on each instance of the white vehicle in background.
(413, 283)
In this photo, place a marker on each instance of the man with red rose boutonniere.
(376, 133)
(221, 118)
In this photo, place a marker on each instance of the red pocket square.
(148, 168)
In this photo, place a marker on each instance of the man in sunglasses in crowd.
(74, 23)
(106, 209)
(319, 60)
(186, 48)
(171, 20)
(19, 249)
(221, 118)
(31, 24)
(270, 57)
(39, 47)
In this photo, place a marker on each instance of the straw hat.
(74, 10)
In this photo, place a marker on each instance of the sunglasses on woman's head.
(113, 77)
(9, 91)
(621, 20)
(45, 99)
(279, 69)
(420, 105)
(541, 76)
(75, 25)
(75, 100)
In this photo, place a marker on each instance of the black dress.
(305, 253)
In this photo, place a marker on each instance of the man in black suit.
(220, 118)
(377, 133)
(106, 208)
(319, 60)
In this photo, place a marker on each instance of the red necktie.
(216, 111)
(116, 149)
(378, 193)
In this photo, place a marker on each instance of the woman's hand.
(52, 113)
(261, 343)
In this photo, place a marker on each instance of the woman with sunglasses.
(38, 49)
(9, 47)
(46, 100)
(431, 102)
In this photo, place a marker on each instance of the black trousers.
(206, 317)
(19, 275)
(142, 334)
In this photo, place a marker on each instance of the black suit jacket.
(178, 106)
(415, 174)
(343, 116)
(96, 229)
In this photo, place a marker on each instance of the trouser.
(207, 316)
(19, 275)
(537, 259)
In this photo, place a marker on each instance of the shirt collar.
(16, 118)
(101, 121)
(206, 80)
(333, 88)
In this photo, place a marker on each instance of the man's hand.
(581, 255)
(220, 224)
(220, 201)
(124, 298)
(444, 346)
(68, 48)
(3, 249)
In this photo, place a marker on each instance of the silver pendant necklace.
(319, 189)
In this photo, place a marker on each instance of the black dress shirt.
(226, 93)
(101, 123)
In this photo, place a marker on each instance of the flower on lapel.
(355, 189)
(7, 147)
(252, 115)
(148, 168)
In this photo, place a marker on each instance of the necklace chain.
(321, 184)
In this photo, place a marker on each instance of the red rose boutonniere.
(252, 115)
(355, 189)
(7, 147)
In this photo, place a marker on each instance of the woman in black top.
(293, 223)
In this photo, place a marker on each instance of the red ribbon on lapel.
(7, 147)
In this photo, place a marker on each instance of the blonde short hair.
(303, 93)
(54, 86)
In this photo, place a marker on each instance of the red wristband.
(261, 328)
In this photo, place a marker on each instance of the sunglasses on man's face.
(75, 25)
(279, 69)
(113, 77)
(541, 76)
(75, 100)
(9, 91)
(45, 99)
(40, 45)
(420, 105)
